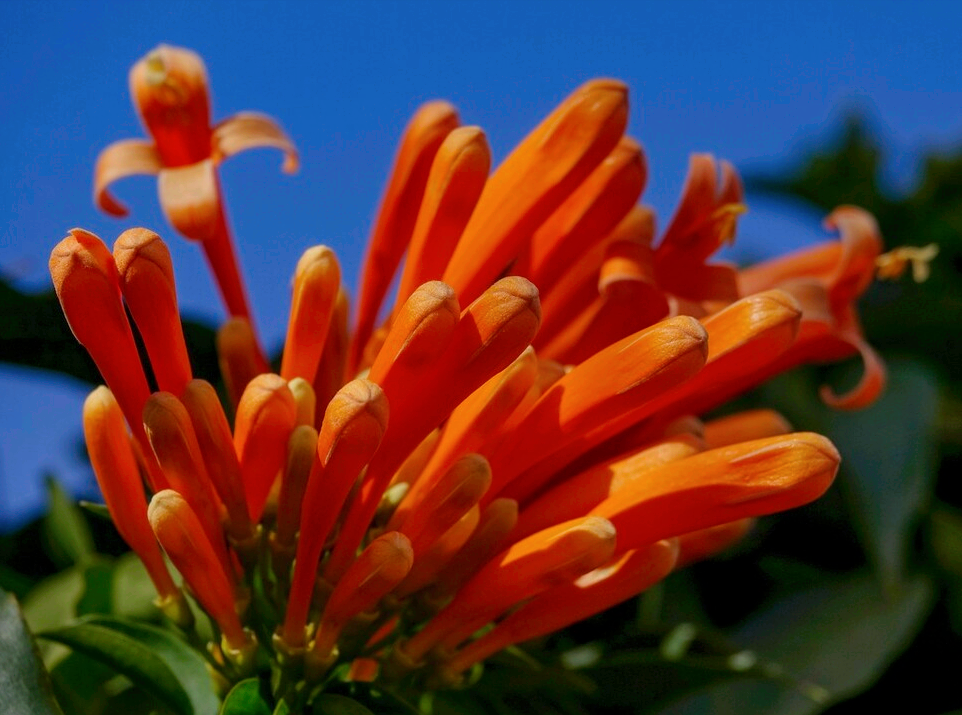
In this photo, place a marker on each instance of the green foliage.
(153, 660)
(24, 683)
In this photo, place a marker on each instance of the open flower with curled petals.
(516, 446)
(170, 92)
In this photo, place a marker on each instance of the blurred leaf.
(53, 603)
(888, 461)
(247, 698)
(97, 593)
(888, 468)
(65, 527)
(136, 660)
(14, 582)
(133, 593)
(135, 701)
(946, 536)
(838, 638)
(187, 665)
(331, 704)
(78, 682)
(24, 684)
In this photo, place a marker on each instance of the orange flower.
(170, 92)
(453, 466)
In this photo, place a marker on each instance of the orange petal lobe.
(129, 157)
(250, 130)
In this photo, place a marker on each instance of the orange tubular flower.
(180, 533)
(116, 469)
(169, 89)
(535, 478)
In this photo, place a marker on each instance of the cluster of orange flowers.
(517, 443)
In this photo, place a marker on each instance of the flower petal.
(490, 334)
(531, 566)
(129, 157)
(559, 607)
(353, 427)
(720, 486)
(251, 130)
(170, 91)
(398, 214)
(458, 175)
(266, 416)
(147, 282)
(115, 467)
(587, 216)
(534, 180)
(190, 198)
(598, 398)
(88, 287)
(316, 285)
(175, 443)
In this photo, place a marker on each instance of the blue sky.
(753, 82)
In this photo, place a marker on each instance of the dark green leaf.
(24, 684)
(79, 683)
(186, 663)
(248, 697)
(96, 597)
(330, 704)
(53, 603)
(14, 582)
(133, 593)
(888, 463)
(833, 642)
(66, 528)
(887, 458)
(137, 660)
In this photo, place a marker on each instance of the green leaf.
(248, 697)
(24, 683)
(53, 603)
(14, 582)
(889, 467)
(833, 641)
(187, 665)
(331, 704)
(65, 527)
(128, 656)
(96, 597)
(78, 682)
(133, 593)
(887, 471)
